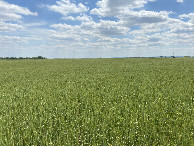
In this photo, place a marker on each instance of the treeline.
(15, 58)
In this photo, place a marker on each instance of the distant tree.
(40, 57)
(13, 58)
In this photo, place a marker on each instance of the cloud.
(4, 38)
(69, 18)
(125, 11)
(64, 26)
(190, 16)
(65, 7)
(179, 1)
(154, 39)
(133, 29)
(78, 18)
(117, 7)
(11, 12)
(9, 16)
(35, 24)
(155, 29)
(84, 18)
(187, 29)
(185, 26)
(142, 17)
(172, 32)
(103, 28)
(111, 28)
(4, 27)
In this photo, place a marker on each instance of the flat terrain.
(141, 101)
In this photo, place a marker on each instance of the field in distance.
(132, 101)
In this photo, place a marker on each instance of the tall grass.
(97, 102)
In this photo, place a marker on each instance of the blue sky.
(96, 28)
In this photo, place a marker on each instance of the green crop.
(142, 101)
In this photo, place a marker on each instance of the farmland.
(141, 101)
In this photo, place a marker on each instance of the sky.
(96, 28)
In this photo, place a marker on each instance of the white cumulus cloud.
(125, 11)
(179, 1)
(13, 12)
(190, 16)
(117, 7)
(66, 7)
(9, 26)
(142, 17)
(78, 18)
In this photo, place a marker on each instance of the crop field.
(132, 101)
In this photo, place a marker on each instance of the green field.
(141, 101)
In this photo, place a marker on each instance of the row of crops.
(142, 101)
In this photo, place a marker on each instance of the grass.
(97, 102)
